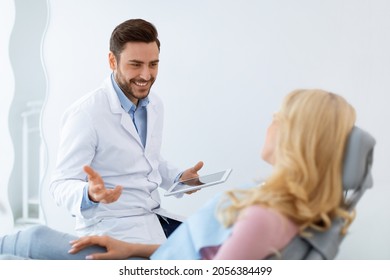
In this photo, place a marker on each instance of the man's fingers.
(198, 166)
(193, 191)
(88, 169)
(90, 172)
(111, 195)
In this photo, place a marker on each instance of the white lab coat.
(97, 131)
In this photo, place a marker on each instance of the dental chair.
(357, 179)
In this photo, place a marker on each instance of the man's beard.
(127, 89)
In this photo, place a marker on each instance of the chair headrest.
(358, 160)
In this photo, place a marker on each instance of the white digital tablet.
(199, 182)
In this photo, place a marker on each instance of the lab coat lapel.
(128, 125)
(116, 108)
(151, 121)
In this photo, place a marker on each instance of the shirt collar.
(126, 104)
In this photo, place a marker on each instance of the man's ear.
(112, 61)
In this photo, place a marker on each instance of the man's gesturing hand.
(97, 192)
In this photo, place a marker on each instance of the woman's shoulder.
(257, 233)
(255, 211)
(260, 218)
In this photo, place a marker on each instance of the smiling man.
(109, 164)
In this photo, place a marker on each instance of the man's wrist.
(86, 201)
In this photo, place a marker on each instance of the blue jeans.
(42, 243)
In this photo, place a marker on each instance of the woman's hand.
(116, 249)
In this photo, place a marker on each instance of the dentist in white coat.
(109, 164)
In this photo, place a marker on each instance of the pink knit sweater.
(257, 233)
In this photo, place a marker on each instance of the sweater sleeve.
(257, 233)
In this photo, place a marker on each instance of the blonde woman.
(305, 143)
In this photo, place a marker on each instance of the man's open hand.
(97, 192)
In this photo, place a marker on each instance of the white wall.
(225, 66)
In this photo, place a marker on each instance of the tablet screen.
(202, 180)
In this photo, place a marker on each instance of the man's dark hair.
(132, 30)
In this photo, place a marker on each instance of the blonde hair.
(306, 182)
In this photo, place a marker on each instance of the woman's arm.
(116, 249)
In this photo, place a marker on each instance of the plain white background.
(224, 69)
